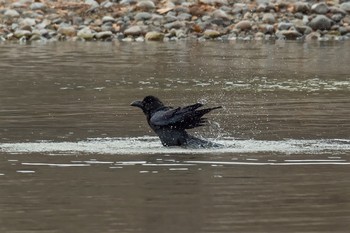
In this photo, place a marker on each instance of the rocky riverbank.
(171, 20)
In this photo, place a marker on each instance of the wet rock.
(140, 39)
(289, 34)
(146, 5)
(11, 13)
(302, 7)
(133, 31)
(104, 35)
(143, 16)
(313, 36)
(244, 25)
(67, 30)
(210, 34)
(321, 22)
(85, 33)
(303, 29)
(154, 36)
(269, 18)
(345, 6)
(37, 6)
(22, 33)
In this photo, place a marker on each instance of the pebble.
(146, 5)
(143, 16)
(133, 31)
(172, 20)
(154, 36)
(320, 8)
(345, 6)
(68, 31)
(321, 22)
(284, 26)
(85, 33)
(302, 7)
(244, 25)
(269, 18)
(37, 6)
(22, 33)
(107, 19)
(11, 13)
(211, 34)
(104, 35)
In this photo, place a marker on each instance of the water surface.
(75, 157)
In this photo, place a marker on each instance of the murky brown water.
(74, 157)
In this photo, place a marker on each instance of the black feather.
(170, 124)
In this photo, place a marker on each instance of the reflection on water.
(73, 157)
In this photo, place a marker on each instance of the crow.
(170, 124)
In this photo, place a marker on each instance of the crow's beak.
(137, 103)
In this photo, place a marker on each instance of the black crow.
(170, 124)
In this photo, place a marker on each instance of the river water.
(75, 157)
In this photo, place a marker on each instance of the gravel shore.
(172, 20)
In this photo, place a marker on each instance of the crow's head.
(149, 104)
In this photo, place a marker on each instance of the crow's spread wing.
(182, 118)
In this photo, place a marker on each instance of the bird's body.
(170, 124)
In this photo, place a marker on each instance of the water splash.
(151, 145)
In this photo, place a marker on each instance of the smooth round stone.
(104, 35)
(85, 33)
(133, 31)
(154, 36)
(143, 16)
(107, 19)
(290, 34)
(146, 5)
(184, 17)
(220, 14)
(27, 22)
(321, 22)
(140, 39)
(214, 2)
(67, 31)
(37, 6)
(239, 8)
(92, 3)
(337, 17)
(22, 33)
(320, 8)
(175, 24)
(345, 6)
(211, 33)
(11, 13)
(302, 7)
(269, 18)
(284, 26)
(127, 2)
(244, 25)
(313, 36)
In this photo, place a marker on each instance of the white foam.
(151, 145)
